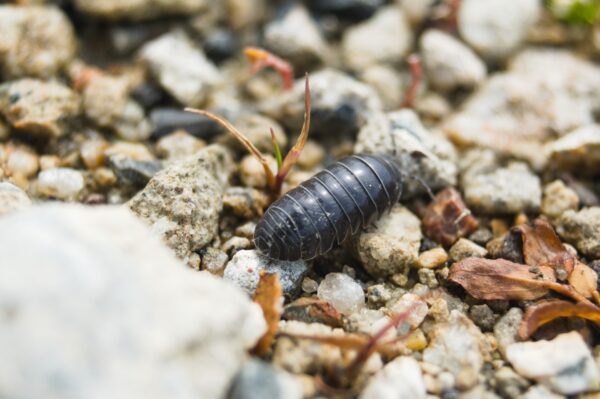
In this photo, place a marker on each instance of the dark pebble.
(220, 45)
(132, 172)
(167, 120)
(354, 10)
(148, 95)
(256, 380)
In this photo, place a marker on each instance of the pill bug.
(328, 208)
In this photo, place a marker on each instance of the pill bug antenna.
(284, 165)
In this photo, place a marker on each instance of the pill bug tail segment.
(260, 59)
(274, 180)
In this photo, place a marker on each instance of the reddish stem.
(416, 73)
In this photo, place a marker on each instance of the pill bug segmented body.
(328, 208)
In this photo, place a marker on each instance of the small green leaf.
(277, 150)
(576, 12)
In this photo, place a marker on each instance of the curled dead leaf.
(584, 280)
(269, 296)
(501, 279)
(312, 310)
(447, 218)
(542, 247)
(547, 311)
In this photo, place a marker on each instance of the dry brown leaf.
(501, 279)
(269, 297)
(312, 310)
(547, 311)
(584, 280)
(542, 247)
(447, 218)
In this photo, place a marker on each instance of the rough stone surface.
(297, 38)
(62, 183)
(506, 329)
(12, 198)
(139, 9)
(92, 305)
(496, 28)
(399, 379)
(183, 201)
(178, 144)
(433, 258)
(342, 292)
(391, 245)
(464, 248)
(512, 189)
(38, 108)
(181, 68)
(245, 267)
(578, 151)
(36, 41)
(557, 199)
(505, 112)
(456, 346)
(106, 102)
(383, 39)
(259, 380)
(449, 64)
(564, 364)
(340, 105)
(418, 152)
(581, 229)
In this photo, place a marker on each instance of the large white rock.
(564, 364)
(92, 305)
(399, 379)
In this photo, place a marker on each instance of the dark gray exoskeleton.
(328, 208)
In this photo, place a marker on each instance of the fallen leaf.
(547, 311)
(501, 279)
(269, 297)
(447, 218)
(542, 247)
(584, 280)
(312, 310)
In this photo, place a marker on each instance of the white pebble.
(342, 292)
(23, 162)
(63, 183)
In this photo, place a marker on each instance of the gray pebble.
(245, 267)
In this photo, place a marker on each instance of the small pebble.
(432, 258)
(557, 199)
(62, 183)
(311, 156)
(12, 198)
(416, 306)
(378, 295)
(245, 267)
(252, 172)
(564, 364)
(399, 379)
(23, 162)
(246, 230)
(309, 285)
(483, 317)
(178, 144)
(92, 153)
(235, 244)
(427, 277)
(342, 292)
(464, 248)
(213, 260)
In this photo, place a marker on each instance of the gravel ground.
(128, 266)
